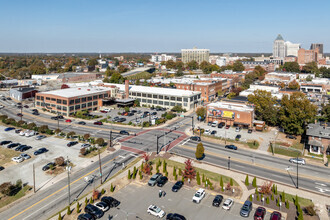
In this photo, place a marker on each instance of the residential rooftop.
(319, 130)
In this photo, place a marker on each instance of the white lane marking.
(121, 156)
(133, 155)
(277, 175)
(321, 184)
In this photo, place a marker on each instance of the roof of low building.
(232, 106)
(319, 130)
(77, 91)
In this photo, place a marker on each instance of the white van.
(30, 133)
(22, 133)
(214, 124)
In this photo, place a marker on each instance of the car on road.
(195, 138)
(214, 124)
(12, 145)
(299, 161)
(40, 151)
(25, 148)
(228, 203)
(98, 123)
(162, 181)
(276, 216)
(1, 106)
(85, 146)
(103, 111)
(26, 106)
(199, 195)
(178, 185)
(238, 137)
(213, 132)
(207, 132)
(17, 159)
(260, 213)
(221, 125)
(217, 200)
(25, 156)
(231, 146)
(54, 118)
(68, 120)
(175, 216)
(60, 117)
(103, 206)
(112, 202)
(35, 113)
(121, 119)
(156, 211)
(48, 166)
(8, 98)
(85, 216)
(290, 137)
(19, 114)
(5, 142)
(246, 209)
(227, 126)
(72, 143)
(1, 168)
(153, 180)
(39, 137)
(81, 123)
(93, 210)
(9, 129)
(124, 132)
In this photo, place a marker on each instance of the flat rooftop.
(77, 91)
(232, 106)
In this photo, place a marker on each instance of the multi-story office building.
(307, 56)
(279, 47)
(198, 55)
(291, 49)
(157, 58)
(70, 100)
(319, 46)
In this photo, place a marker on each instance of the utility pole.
(110, 138)
(228, 163)
(192, 121)
(68, 169)
(34, 180)
(297, 173)
(100, 165)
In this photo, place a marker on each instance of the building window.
(144, 95)
(38, 103)
(77, 107)
(154, 102)
(172, 98)
(149, 96)
(138, 94)
(89, 98)
(38, 97)
(143, 100)
(53, 99)
(95, 97)
(83, 105)
(149, 100)
(179, 99)
(237, 116)
(167, 98)
(161, 97)
(65, 102)
(71, 102)
(134, 93)
(95, 103)
(185, 104)
(172, 103)
(64, 108)
(101, 96)
(160, 102)
(185, 99)
(53, 105)
(83, 99)
(139, 99)
(59, 101)
(58, 107)
(89, 104)
(47, 98)
(71, 108)
(106, 95)
(77, 101)
(167, 103)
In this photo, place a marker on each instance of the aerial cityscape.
(170, 110)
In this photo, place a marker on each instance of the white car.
(207, 132)
(228, 204)
(1, 106)
(29, 133)
(17, 159)
(299, 161)
(156, 211)
(25, 156)
(214, 124)
(103, 206)
(199, 195)
(22, 133)
(85, 145)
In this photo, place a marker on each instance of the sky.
(160, 26)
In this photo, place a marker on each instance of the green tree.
(100, 142)
(254, 182)
(267, 200)
(311, 68)
(287, 205)
(199, 151)
(221, 182)
(116, 78)
(111, 188)
(78, 207)
(238, 66)
(68, 212)
(201, 112)
(295, 112)
(291, 67)
(283, 197)
(129, 175)
(294, 85)
(92, 62)
(170, 64)
(59, 216)
(193, 65)
(325, 72)
(264, 106)
(122, 69)
(247, 180)
(326, 112)
(198, 179)
(231, 182)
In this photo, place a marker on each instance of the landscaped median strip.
(255, 164)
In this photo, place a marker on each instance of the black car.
(112, 202)
(1, 168)
(233, 147)
(60, 117)
(81, 123)
(121, 119)
(34, 110)
(48, 165)
(178, 185)
(290, 137)
(249, 130)
(238, 137)
(161, 181)
(12, 145)
(22, 149)
(17, 131)
(85, 216)
(195, 138)
(154, 113)
(72, 143)
(8, 98)
(123, 132)
(35, 113)
(19, 147)
(130, 114)
(93, 210)
(217, 200)
(221, 125)
(133, 111)
(40, 151)
(5, 142)
(54, 118)
(175, 216)
(213, 132)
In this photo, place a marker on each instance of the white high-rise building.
(198, 55)
(163, 57)
(291, 49)
(279, 47)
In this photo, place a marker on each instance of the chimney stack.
(126, 89)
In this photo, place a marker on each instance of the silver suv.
(299, 161)
(153, 180)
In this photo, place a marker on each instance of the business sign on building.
(228, 114)
(214, 112)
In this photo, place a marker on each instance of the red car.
(227, 126)
(98, 123)
(276, 216)
(68, 120)
(20, 115)
(102, 111)
(260, 213)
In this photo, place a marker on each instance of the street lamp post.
(68, 169)
(297, 173)
(228, 163)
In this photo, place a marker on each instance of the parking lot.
(56, 147)
(136, 197)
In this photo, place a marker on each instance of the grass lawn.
(6, 155)
(285, 152)
(9, 199)
(95, 152)
(253, 145)
(302, 201)
(208, 174)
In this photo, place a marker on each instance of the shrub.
(86, 136)
(198, 179)
(221, 182)
(71, 133)
(83, 151)
(7, 189)
(166, 174)
(96, 195)
(91, 200)
(310, 210)
(247, 180)
(78, 207)
(68, 212)
(251, 198)
(86, 201)
(60, 161)
(100, 142)
(175, 177)
(180, 172)
(174, 171)
(267, 200)
(112, 188)
(287, 205)
(129, 175)
(275, 190)
(203, 178)
(59, 216)
(231, 182)
(199, 151)
(164, 167)
(283, 197)
(254, 182)
(43, 128)
(102, 191)
(56, 131)
(272, 197)
(266, 188)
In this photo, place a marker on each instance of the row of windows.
(164, 97)
(156, 102)
(71, 108)
(74, 101)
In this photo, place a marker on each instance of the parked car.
(214, 124)
(72, 143)
(35, 113)
(195, 138)
(1, 168)
(17, 159)
(93, 210)
(81, 123)
(260, 213)
(9, 129)
(153, 180)
(112, 202)
(276, 216)
(54, 118)
(39, 137)
(249, 130)
(290, 137)
(85, 216)
(178, 185)
(40, 151)
(207, 132)
(25, 156)
(246, 209)
(299, 161)
(25, 148)
(217, 200)
(29, 133)
(48, 166)
(124, 132)
(221, 125)
(5, 142)
(68, 120)
(22, 133)
(98, 123)
(227, 126)
(26, 106)
(12, 145)
(1, 106)
(85, 146)
(228, 203)
(156, 211)
(175, 216)
(238, 129)
(199, 195)
(17, 131)
(19, 114)
(103, 206)
(209, 123)
(161, 181)
(213, 132)
(238, 137)
(19, 147)
(232, 147)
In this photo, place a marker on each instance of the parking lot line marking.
(58, 191)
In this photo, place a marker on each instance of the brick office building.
(232, 113)
(71, 100)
